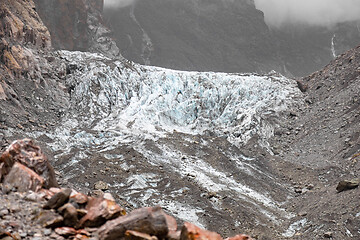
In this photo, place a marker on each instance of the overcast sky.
(314, 12)
(117, 3)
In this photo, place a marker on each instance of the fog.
(313, 12)
(118, 3)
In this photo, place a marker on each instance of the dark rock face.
(306, 49)
(77, 25)
(31, 93)
(71, 16)
(229, 36)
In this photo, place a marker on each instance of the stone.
(134, 235)
(149, 220)
(49, 219)
(100, 210)
(23, 178)
(174, 235)
(347, 185)
(69, 212)
(192, 232)
(79, 198)
(100, 185)
(65, 231)
(33, 197)
(58, 199)
(240, 237)
(47, 232)
(328, 235)
(172, 225)
(28, 154)
(4, 212)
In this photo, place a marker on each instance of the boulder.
(79, 198)
(99, 210)
(24, 179)
(28, 154)
(149, 220)
(69, 212)
(192, 232)
(58, 199)
(50, 219)
(100, 185)
(347, 185)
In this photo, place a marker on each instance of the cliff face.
(77, 25)
(31, 93)
(17, 31)
(306, 49)
(229, 36)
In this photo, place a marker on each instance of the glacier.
(173, 138)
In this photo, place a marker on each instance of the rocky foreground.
(314, 170)
(33, 207)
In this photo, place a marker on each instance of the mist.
(118, 3)
(279, 13)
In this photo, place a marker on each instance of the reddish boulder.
(79, 198)
(27, 153)
(148, 220)
(192, 232)
(99, 210)
(24, 179)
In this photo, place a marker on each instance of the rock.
(302, 213)
(134, 235)
(23, 178)
(58, 199)
(65, 231)
(49, 219)
(347, 185)
(108, 196)
(174, 235)
(191, 232)
(148, 220)
(100, 185)
(47, 232)
(69, 212)
(97, 193)
(34, 197)
(100, 210)
(172, 225)
(240, 237)
(4, 212)
(28, 154)
(328, 235)
(79, 198)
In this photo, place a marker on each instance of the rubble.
(28, 154)
(70, 214)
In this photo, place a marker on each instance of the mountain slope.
(322, 139)
(227, 36)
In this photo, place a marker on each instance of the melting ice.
(116, 103)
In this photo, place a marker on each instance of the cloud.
(118, 3)
(314, 12)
